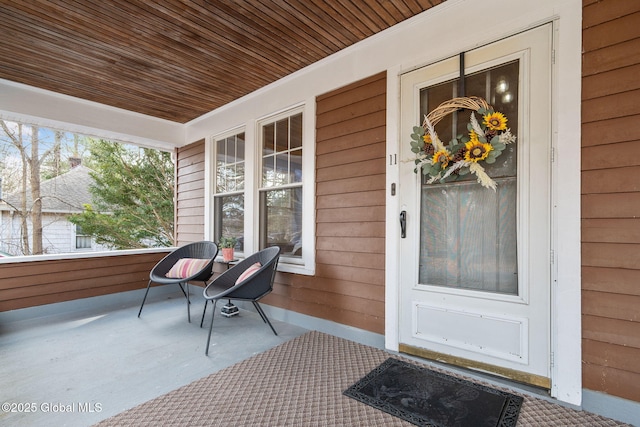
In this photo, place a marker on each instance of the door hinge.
(552, 359)
(553, 154)
(553, 56)
(552, 256)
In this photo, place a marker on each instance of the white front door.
(475, 274)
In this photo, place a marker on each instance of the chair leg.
(145, 297)
(264, 316)
(183, 292)
(213, 314)
(204, 311)
(188, 303)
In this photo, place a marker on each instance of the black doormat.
(427, 398)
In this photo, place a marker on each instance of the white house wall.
(58, 234)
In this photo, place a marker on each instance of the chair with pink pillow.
(249, 280)
(190, 263)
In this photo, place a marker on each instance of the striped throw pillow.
(186, 267)
(249, 272)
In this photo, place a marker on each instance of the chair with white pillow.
(249, 280)
(190, 263)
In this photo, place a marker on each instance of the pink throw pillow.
(186, 267)
(249, 272)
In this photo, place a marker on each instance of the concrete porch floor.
(76, 363)
(79, 362)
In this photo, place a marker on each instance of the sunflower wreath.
(465, 153)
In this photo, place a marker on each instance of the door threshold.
(497, 372)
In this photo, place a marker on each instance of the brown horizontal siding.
(616, 205)
(348, 286)
(599, 157)
(190, 193)
(607, 369)
(619, 129)
(611, 230)
(610, 184)
(27, 284)
(613, 280)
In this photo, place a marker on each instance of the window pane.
(83, 242)
(281, 212)
(239, 177)
(295, 131)
(282, 135)
(240, 147)
(229, 218)
(282, 169)
(268, 139)
(268, 171)
(468, 236)
(222, 175)
(220, 152)
(295, 166)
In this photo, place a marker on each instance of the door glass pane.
(468, 232)
(468, 236)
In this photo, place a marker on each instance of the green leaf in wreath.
(498, 146)
(415, 150)
(490, 160)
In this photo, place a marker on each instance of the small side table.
(229, 310)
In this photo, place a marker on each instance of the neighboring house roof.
(65, 193)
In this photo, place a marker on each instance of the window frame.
(215, 196)
(84, 237)
(266, 187)
(304, 265)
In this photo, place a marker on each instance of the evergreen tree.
(132, 195)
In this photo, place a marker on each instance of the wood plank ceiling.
(179, 59)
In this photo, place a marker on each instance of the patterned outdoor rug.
(429, 398)
(300, 383)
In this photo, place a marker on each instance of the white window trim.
(212, 193)
(300, 265)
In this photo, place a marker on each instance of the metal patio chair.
(232, 285)
(180, 258)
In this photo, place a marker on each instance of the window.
(83, 241)
(228, 202)
(281, 185)
(262, 187)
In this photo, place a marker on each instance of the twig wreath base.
(465, 153)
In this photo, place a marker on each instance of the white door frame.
(566, 334)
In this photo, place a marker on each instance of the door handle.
(403, 224)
